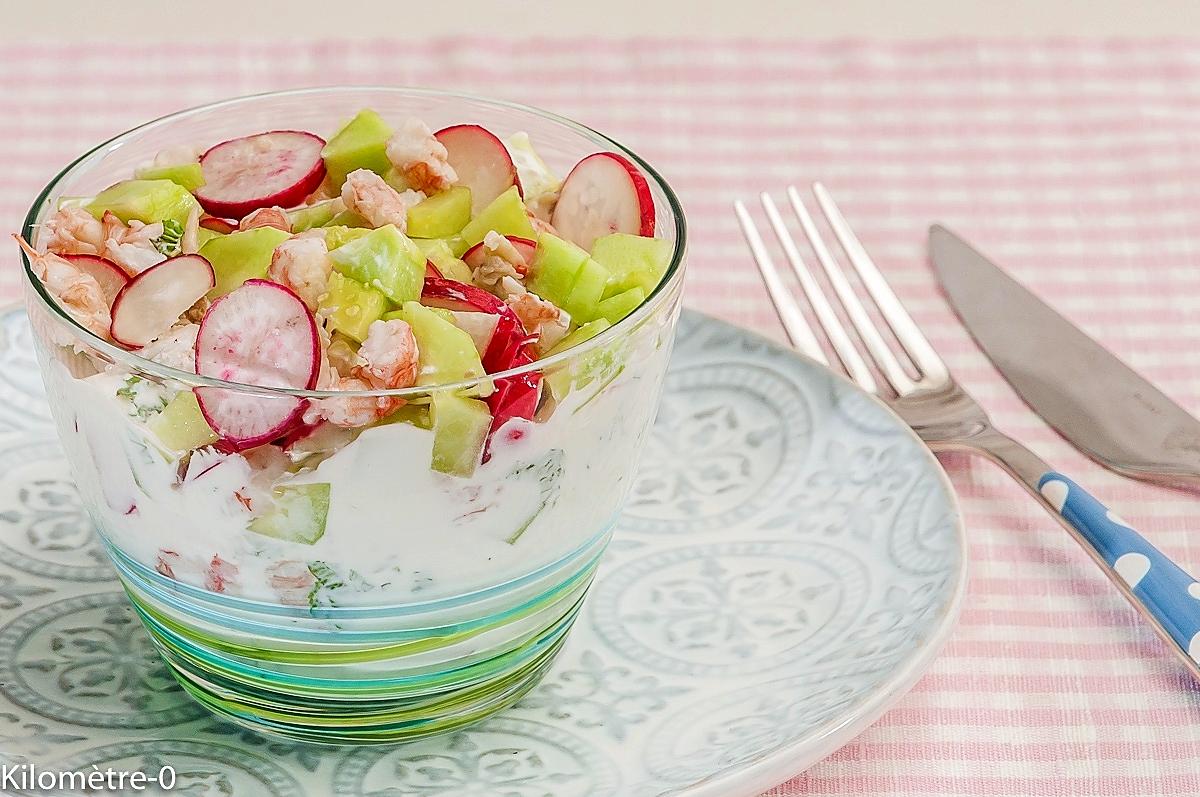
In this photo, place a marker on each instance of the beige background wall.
(157, 19)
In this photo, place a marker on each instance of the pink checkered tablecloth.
(1077, 165)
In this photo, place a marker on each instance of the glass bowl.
(431, 601)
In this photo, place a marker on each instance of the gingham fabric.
(1075, 165)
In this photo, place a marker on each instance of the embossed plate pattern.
(790, 560)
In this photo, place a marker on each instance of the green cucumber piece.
(386, 260)
(317, 214)
(460, 429)
(633, 260)
(351, 307)
(506, 215)
(181, 427)
(361, 143)
(441, 215)
(616, 307)
(556, 266)
(438, 252)
(348, 218)
(148, 201)
(204, 235)
(188, 175)
(240, 256)
(586, 291)
(447, 353)
(298, 515)
(416, 414)
(336, 235)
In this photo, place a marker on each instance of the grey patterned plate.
(790, 561)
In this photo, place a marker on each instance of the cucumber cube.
(181, 427)
(633, 260)
(585, 293)
(147, 201)
(204, 235)
(586, 332)
(360, 144)
(348, 218)
(386, 260)
(240, 256)
(614, 308)
(440, 215)
(447, 353)
(415, 414)
(187, 175)
(561, 378)
(460, 429)
(298, 515)
(336, 235)
(506, 215)
(317, 214)
(438, 252)
(556, 265)
(351, 307)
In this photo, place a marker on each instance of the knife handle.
(1162, 588)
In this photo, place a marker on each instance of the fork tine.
(854, 363)
(930, 365)
(794, 324)
(883, 356)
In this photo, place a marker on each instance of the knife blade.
(1098, 403)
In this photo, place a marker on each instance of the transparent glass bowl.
(428, 603)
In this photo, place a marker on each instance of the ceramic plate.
(790, 560)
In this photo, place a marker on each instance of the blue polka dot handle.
(1163, 589)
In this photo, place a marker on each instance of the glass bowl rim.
(656, 301)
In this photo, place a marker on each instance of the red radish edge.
(526, 247)
(284, 175)
(244, 420)
(150, 303)
(481, 161)
(217, 224)
(581, 224)
(112, 278)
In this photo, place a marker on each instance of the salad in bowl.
(340, 355)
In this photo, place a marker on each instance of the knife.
(1101, 406)
(1098, 403)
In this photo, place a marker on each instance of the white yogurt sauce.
(396, 530)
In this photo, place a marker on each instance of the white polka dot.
(1055, 492)
(1194, 590)
(1120, 521)
(1132, 567)
(1194, 648)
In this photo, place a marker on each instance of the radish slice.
(259, 334)
(480, 326)
(473, 257)
(481, 162)
(281, 168)
(603, 194)
(112, 278)
(431, 271)
(451, 295)
(152, 302)
(216, 224)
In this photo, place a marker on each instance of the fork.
(947, 418)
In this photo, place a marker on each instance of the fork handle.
(1159, 589)
(1154, 583)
